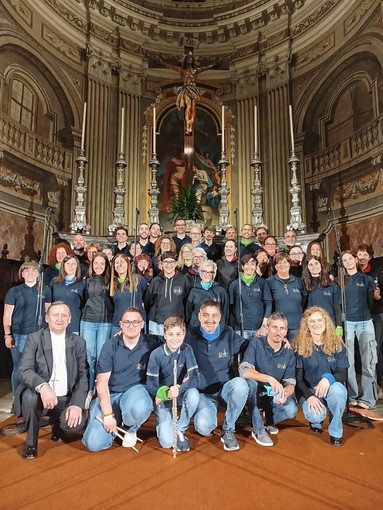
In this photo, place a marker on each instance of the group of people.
(113, 336)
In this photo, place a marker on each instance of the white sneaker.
(272, 429)
(262, 437)
(130, 440)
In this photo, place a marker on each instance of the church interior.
(288, 132)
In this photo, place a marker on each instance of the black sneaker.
(228, 439)
(182, 443)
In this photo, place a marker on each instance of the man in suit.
(53, 375)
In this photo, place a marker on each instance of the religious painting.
(189, 161)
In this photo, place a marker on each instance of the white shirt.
(59, 378)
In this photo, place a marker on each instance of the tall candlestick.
(223, 128)
(154, 130)
(83, 127)
(255, 130)
(122, 130)
(291, 128)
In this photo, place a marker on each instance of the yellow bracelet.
(108, 414)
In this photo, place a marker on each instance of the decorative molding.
(19, 183)
(23, 11)
(318, 51)
(370, 184)
(314, 17)
(357, 15)
(59, 44)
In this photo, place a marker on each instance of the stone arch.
(52, 84)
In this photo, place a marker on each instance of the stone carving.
(59, 44)
(316, 52)
(307, 23)
(18, 182)
(357, 15)
(360, 187)
(23, 11)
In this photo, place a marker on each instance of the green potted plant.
(186, 206)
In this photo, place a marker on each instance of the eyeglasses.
(131, 323)
(29, 270)
(168, 262)
(207, 272)
(270, 244)
(180, 225)
(295, 254)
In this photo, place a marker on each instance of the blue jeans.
(95, 335)
(234, 394)
(16, 353)
(156, 329)
(164, 416)
(365, 333)
(335, 401)
(275, 413)
(132, 408)
(249, 334)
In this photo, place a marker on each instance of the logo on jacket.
(282, 365)
(223, 354)
(177, 290)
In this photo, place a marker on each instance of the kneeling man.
(122, 397)
(269, 368)
(53, 375)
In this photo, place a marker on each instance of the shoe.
(336, 441)
(314, 428)
(380, 392)
(56, 433)
(182, 443)
(262, 437)
(272, 429)
(56, 436)
(30, 451)
(228, 439)
(130, 440)
(353, 402)
(364, 405)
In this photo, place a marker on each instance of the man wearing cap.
(166, 294)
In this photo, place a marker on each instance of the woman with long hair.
(264, 267)
(126, 289)
(359, 296)
(185, 262)
(322, 290)
(321, 372)
(227, 266)
(314, 248)
(55, 257)
(68, 287)
(164, 244)
(96, 321)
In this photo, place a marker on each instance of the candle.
(223, 127)
(291, 128)
(255, 131)
(122, 130)
(83, 127)
(154, 130)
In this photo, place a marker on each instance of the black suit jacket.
(37, 362)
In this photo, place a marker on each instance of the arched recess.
(61, 96)
(320, 100)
